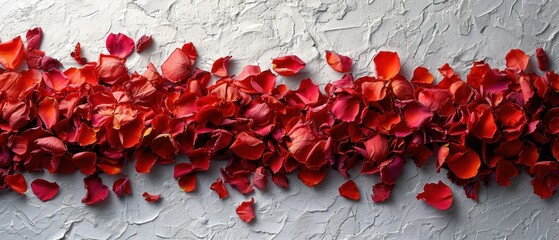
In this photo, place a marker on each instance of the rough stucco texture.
(424, 32)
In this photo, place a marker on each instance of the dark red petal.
(17, 183)
(381, 192)
(260, 178)
(543, 61)
(287, 65)
(246, 211)
(219, 188)
(120, 45)
(151, 197)
(182, 169)
(96, 191)
(34, 37)
(44, 190)
(143, 43)
(338, 62)
(504, 172)
(387, 64)
(52, 145)
(437, 195)
(349, 190)
(122, 187)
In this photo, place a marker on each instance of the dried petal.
(151, 197)
(17, 183)
(219, 188)
(220, 66)
(143, 43)
(349, 190)
(96, 191)
(338, 62)
(122, 187)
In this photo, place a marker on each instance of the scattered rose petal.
(349, 190)
(246, 211)
(96, 191)
(120, 45)
(220, 66)
(151, 197)
(338, 62)
(219, 188)
(17, 183)
(437, 195)
(143, 43)
(44, 190)
(287, 65)
(387, 64)
(543, 61)
(122, 187)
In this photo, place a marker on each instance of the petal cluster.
(94, 119)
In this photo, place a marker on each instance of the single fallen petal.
(177, 67)
(34, 37)
(437, 195)
(86, 162)
(381, 192)
(17, 183)
(12, 53)
(338, 62)
(287, 65)
(151, 197)
(247, 146)
(120, 45)
(387, 64)
(219, 188)
(246, 211)
(543, 61)
(96, 191)
(349, 190)
(48, 111)
(44, 190)
(188, 182)
(143, 43)
(122, 187)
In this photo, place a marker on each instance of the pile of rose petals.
(98, 117)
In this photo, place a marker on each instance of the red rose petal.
(48, 111)
(349, 190)
(310, 177)
(381, 192)
(143, 43)
(517, 59)
(415, 114)
(145, 161)
(464, 164)
(177, 67)
(96, 191)
(17, 183)
(246, 210)
(504, 172)
(11, 53)
(122, 187)
(86, 162)
(219, 188)
(151, 197)
(120, 45)
(387, 64)
(247, 146)
(260, 178)
(437, 195)
(543, 61)
(338, 62)
(422, 75)
(77, 55)
(287, 65)
(188, 182)
(219, 68)
(52, 145)
(44, 190)
(34, 37)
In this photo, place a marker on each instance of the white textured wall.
(424, 32)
